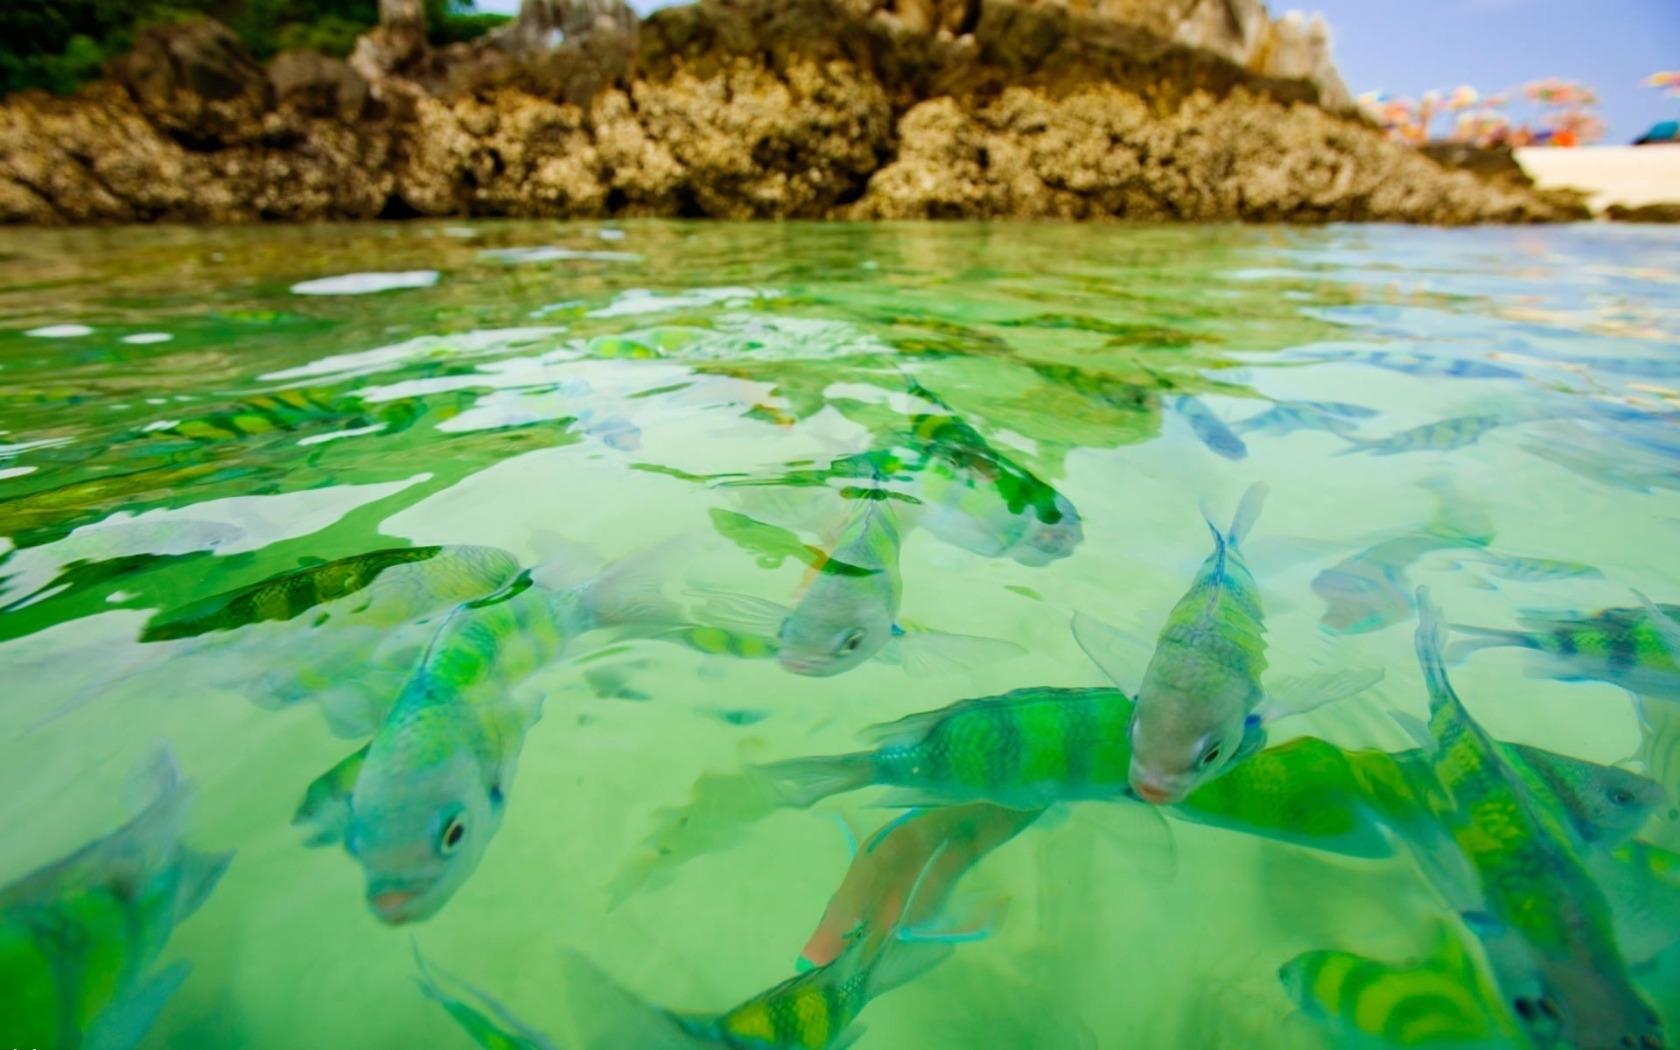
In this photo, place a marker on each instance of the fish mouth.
(811, 667)
(397, 905)
(1156, 793)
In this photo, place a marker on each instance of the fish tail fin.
(631, 592)
(803, 782)
(1483, 638)
(605, 1015)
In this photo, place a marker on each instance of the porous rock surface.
(728, 108)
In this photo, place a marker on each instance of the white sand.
(1629, 175)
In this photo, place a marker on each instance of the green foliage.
(61, 44)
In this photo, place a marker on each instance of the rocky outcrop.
(1667, 212)
(734, 108)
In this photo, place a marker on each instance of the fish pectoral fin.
(124, 1021)
(1297, 694)
(1414, 727)
(488, 1022)
(743, 613)
(1117, 654)
(968, 916)
(325, 809)
(925, 653)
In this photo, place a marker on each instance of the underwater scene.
(669, 635)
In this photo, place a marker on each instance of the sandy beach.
(1628, 175)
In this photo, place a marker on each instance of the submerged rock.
(745, 109)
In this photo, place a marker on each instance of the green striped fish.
(386, 587)
(1628, 646)
(428, 793)
(1024, 749)
(1445, 435)
(1442, 1001)
(1558, 963)
(1203, 680)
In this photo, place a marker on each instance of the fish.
(287, 410)
(1605, 457)
(886, 868)
(979, 499)
(1443, 999)
(848, 614)
(1048, 746)
(815, 1010)
(1626, 646)
(1311, 793)
(1202, 683)
(1546, 923)
(1536, 570)
(342, 634)
(1370, 590)
(1287, 417)
(1024, 749)
(1438, 367)
(429, 792)
(1446, 435)
(79, 937)
(385, 590)
(1220, 439)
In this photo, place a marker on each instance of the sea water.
(568, 392)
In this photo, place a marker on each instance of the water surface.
(185, 413)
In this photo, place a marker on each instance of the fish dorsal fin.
(926, 653)
(904, 732)
(1297, 694)
(1663, 625)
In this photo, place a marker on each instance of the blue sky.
(1410, 46)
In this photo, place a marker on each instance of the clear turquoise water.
(573, 395)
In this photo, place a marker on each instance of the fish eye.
(853, 640)
(1210, 754)
(1621, 797)
(453, 833)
